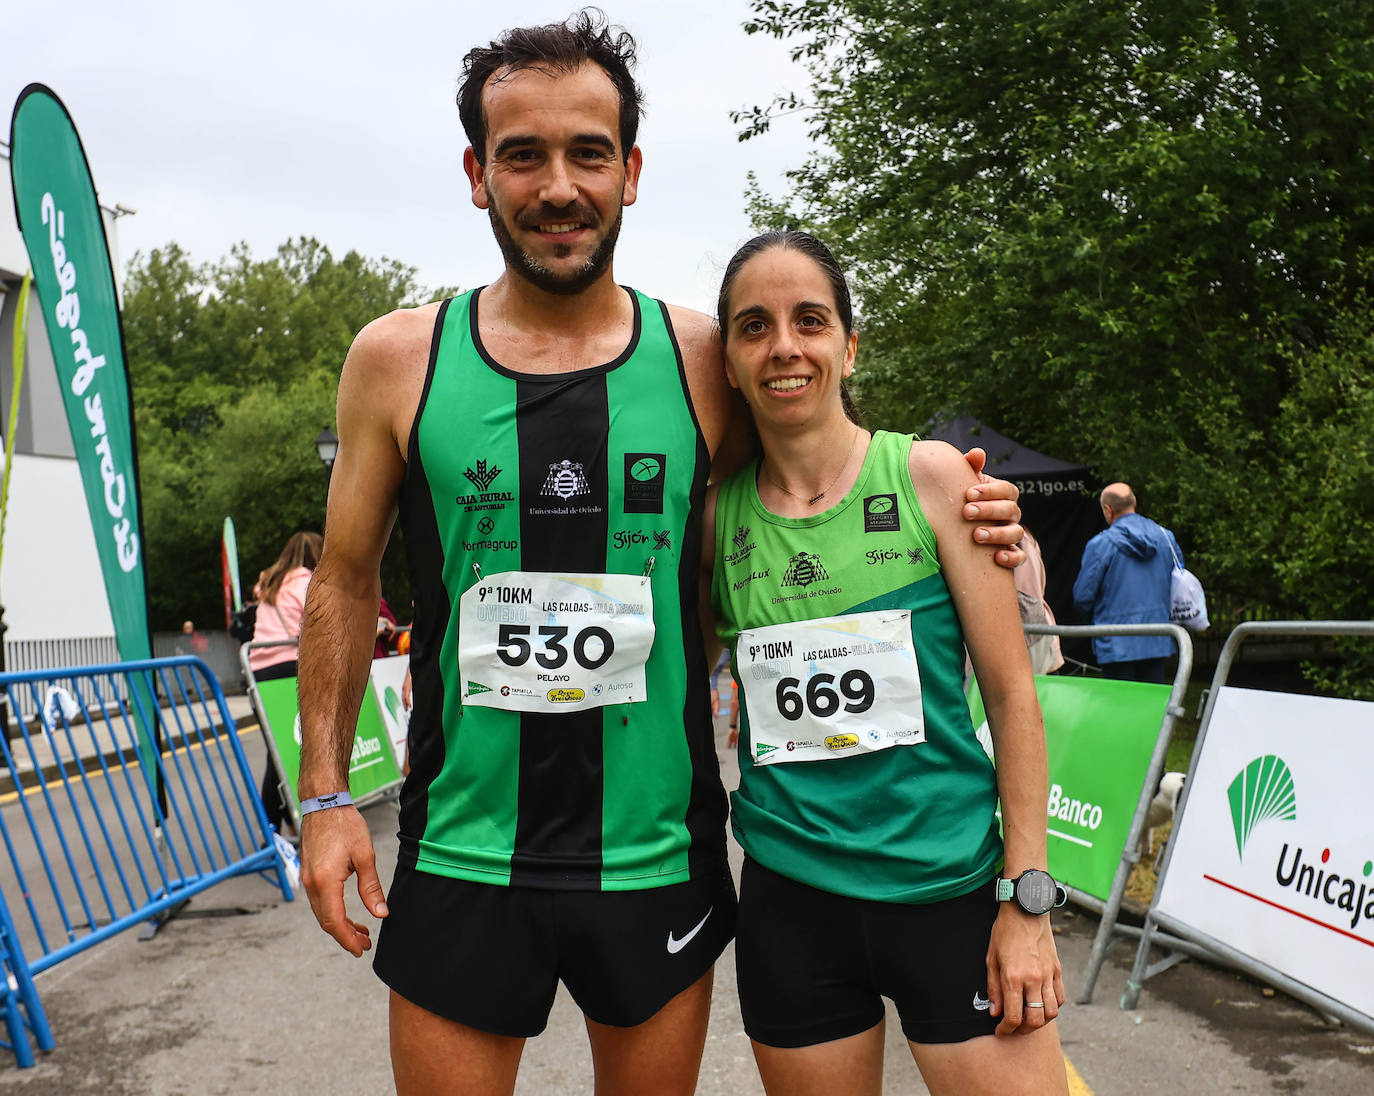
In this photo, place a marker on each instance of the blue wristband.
(324, 802)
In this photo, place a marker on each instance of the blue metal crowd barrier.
(123, 807)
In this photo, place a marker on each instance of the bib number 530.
(821, 698)
(592, 646)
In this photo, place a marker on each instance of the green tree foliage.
(234, 367)
(1136, 234)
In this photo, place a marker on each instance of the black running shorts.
(814, 966)
(491, 957)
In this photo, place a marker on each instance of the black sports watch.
(1035, 891)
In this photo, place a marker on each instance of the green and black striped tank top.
(602, 470)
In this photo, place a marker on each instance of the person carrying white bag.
(1187, 602)
(1128, 575)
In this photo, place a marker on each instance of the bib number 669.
(514, 649)
(821, 699)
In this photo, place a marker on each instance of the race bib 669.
(818, 690)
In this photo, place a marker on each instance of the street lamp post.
(327, 446)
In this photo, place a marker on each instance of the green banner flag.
(20, 343)
(59, 217)
(1099, 735)
(229, 568)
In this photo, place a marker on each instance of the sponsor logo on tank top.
(741, 583)
(880, 557)
(490, 545)
(645, 476)
(881, 515)
(566, 481)
(631, 538)
(743, 546)
(805, 569)
(486, 526)
(482, 477)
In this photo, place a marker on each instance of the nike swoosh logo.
(675, 945)
(981, 1003)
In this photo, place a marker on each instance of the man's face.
(555, 180)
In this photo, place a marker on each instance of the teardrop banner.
(229, 571)
(59, 218)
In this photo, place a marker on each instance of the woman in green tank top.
(846, 588)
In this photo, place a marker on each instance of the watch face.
(1035, 892)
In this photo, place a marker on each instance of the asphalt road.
(222, 1002)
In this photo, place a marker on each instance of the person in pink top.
(280, 593)
(1045, 654)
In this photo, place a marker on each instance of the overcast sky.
(259, 121)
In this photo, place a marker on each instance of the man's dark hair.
(563, 47)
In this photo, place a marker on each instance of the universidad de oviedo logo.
(1328, 894)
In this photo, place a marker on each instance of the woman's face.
(785, 346)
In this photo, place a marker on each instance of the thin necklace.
(817, 498)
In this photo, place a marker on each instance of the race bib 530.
(817, 690)
(531, 641)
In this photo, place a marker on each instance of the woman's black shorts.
(814, 966)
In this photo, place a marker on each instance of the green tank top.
(909, 823)
(600, 471)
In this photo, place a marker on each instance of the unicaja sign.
(1262, 790)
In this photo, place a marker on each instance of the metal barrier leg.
(14, 1028)
(22, 1010)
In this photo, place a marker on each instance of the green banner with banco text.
(372, 768)
(59, 216)
(1100, 735)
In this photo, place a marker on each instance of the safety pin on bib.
(477, 570)
(648, 570)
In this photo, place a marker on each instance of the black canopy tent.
(1059, 501)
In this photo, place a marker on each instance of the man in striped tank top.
(547, 441)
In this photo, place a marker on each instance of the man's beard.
(541, 277)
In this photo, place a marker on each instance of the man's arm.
(992, 503)
(375, 389)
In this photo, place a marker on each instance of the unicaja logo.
(1262, 790)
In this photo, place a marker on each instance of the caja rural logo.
(1265, 789)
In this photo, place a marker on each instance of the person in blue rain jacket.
(1124, 579)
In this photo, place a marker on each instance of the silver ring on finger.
(1035, 1004)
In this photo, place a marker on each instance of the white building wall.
(50, 581)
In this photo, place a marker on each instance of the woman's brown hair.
(302, 550)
